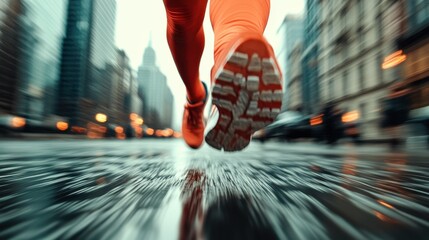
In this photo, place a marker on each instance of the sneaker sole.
(247, 93)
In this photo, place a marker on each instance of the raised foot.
(248, 96)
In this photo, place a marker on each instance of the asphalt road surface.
(160, 189)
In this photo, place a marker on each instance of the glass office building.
(310, 75)
(88, 52)
(43, 27)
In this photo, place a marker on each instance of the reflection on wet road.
(163, 190)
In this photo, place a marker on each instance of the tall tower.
(158, 99)
(290, 33)
(310, 52)
(43, 28)
(10, 52)
(88, 51)
(74, 59)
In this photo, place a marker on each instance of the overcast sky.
(136, 20)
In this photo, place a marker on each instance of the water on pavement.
(164, 190)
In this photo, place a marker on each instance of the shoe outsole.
(248, 94)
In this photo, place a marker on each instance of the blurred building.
(118, 88)
(290, 33)
(134, 97)
(157, 96)
(88, 56)
(294, 84)
(132, 100)
(10, 52)
(415, 44)
(42, 27)
(355, 38)
(124, 91)
(310, 52)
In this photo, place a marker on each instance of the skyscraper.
(158, 98)
(10, 52)
(294, 93)
(88, 51)
(102, 53)
(43, 27)
(123, 97)
(290, 33)
(310, 52)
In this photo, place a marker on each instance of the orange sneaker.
(247, 93)
(193, 122)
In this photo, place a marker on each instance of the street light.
(150, 131)
(62, 126)
(139, 121)
(119, 129)
(100, 117)
(18, 122)
(177, 134)
(394, 59)
(133, 116)
(350, 116)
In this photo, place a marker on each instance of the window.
(379, 26)
(361, 75)
(343, 18)
(345, 52)
(345, 82)
(421, 15)
(363, 43)
(361, 8)
(331, 89)
(379, 62)
(362, 110)
(422, 8)
(360, 37)
(331, 60)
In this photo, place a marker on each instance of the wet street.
(160, 189)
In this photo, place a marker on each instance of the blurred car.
(10, 123)
(288, 125)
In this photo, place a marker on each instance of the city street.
(161, 189)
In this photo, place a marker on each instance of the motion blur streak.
(160, 189)
(90, 146)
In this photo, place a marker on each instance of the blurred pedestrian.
(247, 81)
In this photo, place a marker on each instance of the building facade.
(294, 93)
(289, 34)
(10, 54)
(43, 27)
(157, 96)
(117, 89)
(124, 98)
(103, 55)
(88, 56)
(310, 52)
(134, 101)
(415, 44)
(355, 38)
(74, 61)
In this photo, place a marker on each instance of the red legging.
(185, 32)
